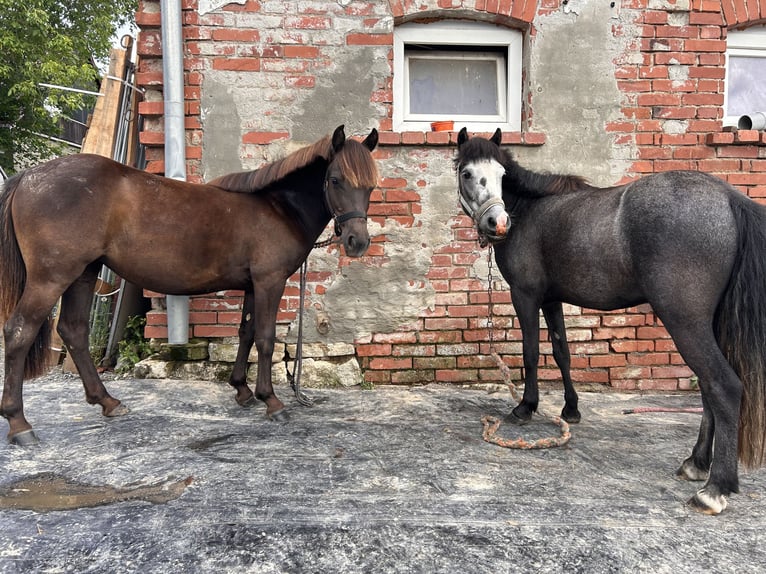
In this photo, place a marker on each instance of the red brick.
(308, 52)
(152, 332)
(264, 137)
(373, 350)
(705, 45)
(706, 18)
(369, 39)
(611, 360)
(412, 138)
(214, 331)
(236, 35)
(237, 64)
(380, 363)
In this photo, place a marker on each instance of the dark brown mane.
(566, 184)
(250, 181)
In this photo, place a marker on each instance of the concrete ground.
(383, 481)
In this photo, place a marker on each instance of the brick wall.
(670, 78)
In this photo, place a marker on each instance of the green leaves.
(54, 42)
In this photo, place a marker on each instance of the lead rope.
(491, 424)
(294, 378)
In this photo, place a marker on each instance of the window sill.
(429, 138)
(737, 137)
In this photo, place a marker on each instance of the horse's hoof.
(708, 504)
(24, 438)
(689, 471)
(280, 416)
(515, 419)
(118, 411)
(571, 417)
(248, 403)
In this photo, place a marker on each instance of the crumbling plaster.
(570, 65)
(574, 94)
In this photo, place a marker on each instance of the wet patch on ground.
(48, 492)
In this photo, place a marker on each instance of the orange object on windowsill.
(443, 126)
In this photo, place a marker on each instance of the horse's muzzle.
(494, 223)
(355, 237)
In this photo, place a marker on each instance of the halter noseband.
(477, 215)
(342, 218)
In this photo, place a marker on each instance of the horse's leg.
(73, 328)
(697, 466)
(554, 317)
(266, 303)
(20, 332)
(528, 313)
(722, 393)
(238, 378)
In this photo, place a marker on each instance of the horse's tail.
(741, 326)
(13, 278)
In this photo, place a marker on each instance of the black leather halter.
(342, 218)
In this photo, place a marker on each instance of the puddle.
(48, 492)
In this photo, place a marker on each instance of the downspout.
(175, 140)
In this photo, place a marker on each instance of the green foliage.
(133, 346)
(54, 42)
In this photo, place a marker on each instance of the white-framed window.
(467, 72)
(745, 91)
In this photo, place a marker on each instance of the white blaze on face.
(481, 182)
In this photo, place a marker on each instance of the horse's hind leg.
(554, 318)
(73, 328)
(20, 331)
(697, 466)
(722, 392)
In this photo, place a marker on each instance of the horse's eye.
(334, 180)
(466, 175)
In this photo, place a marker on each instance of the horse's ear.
(371, 140)
(462, 136)
(338, 138)
(497, 137)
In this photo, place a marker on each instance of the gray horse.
(685, 242)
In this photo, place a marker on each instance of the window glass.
(467, 72)
(747, 85)
(451, 85)
(745, 88)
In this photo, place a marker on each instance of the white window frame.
(750, 42)
(460, 33)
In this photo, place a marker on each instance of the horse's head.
(350, 179)
(480, 184)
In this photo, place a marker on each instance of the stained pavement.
(383, 481)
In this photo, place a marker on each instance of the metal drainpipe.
(175, 140)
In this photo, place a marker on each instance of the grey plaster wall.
(364, 299)
(571, 68)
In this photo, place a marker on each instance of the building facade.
(608, 90)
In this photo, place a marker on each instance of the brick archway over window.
(739, 12)
(520, 10)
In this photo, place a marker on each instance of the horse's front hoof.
(247, 403)
(572, 416)
(280, 416)
(24, 438)
(708, 504)
(518, 419)
(118, 411)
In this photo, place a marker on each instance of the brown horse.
(61, 221)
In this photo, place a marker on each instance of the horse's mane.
(252, 181)
(522, 181)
